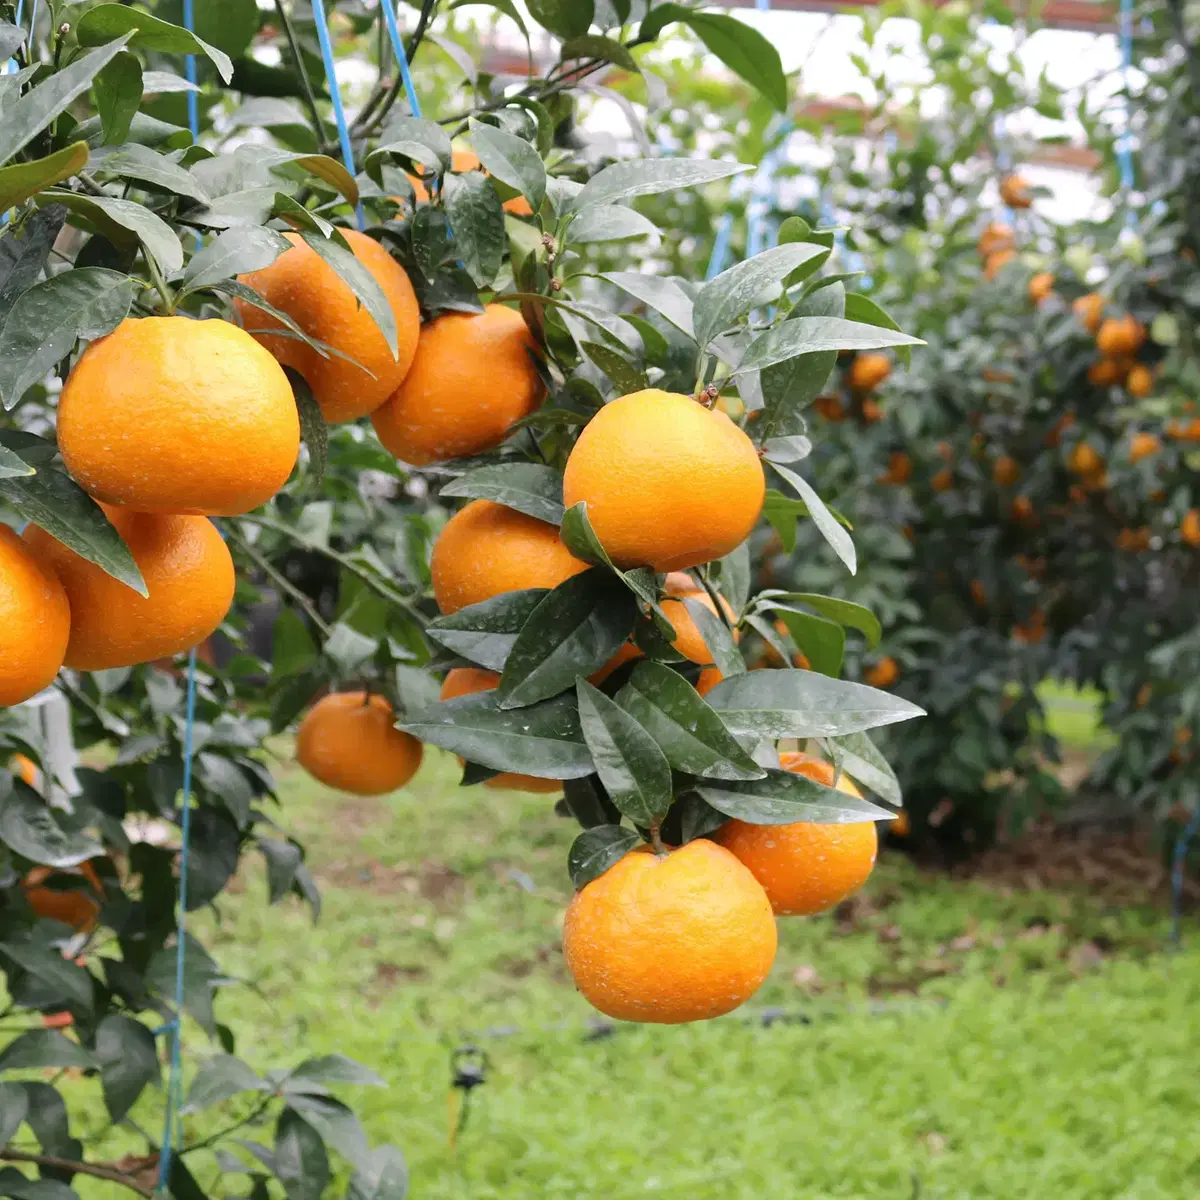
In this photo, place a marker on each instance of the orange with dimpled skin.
(35, 620)
(689, 641)
(670, 938)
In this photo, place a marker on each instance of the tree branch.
(95, 1170)
(309, 95)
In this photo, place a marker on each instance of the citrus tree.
(208, 281)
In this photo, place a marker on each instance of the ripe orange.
(300, 283)
(979, 593)
(899, 469)
(1041, 286)
(995, 375)
(347, 740)
(1088, 310)
(462, 161)
(486, 549)
(1105, 372)
(868, 371)
(996, 262)
(1185, 431)
(168, 414)
(1022, 510)
(709, 678)
(1140, 381)
(188, 573)
(943, 480)
(883, 674)
(1084, 459)
(871, 412)
(805, 868)
(689, 641)
(1005, 471)
(996, 237)
(1119, 336)
(1133, 540)
(35, 620)
(670, 938)
(668, 483)
(466, 681)
(1014, 191)
(1189, 527)
(830, 407)
(901, 824)
(1033, 630)
(1143, 445)
(471, 380)
(72, 906)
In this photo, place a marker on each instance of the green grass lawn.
(948, 1040)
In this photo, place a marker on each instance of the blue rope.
(389, 18)
(1180, 860)
(1125, 141)
(189, 70)
(339, 113)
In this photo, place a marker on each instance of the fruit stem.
(656, 839)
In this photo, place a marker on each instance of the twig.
(95, 1170)
(250, 1117)
(309, 95)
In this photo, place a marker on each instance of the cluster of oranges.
(1118, 339)
(862, 378)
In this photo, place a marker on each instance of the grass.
(938, 1039)
(1073, 715)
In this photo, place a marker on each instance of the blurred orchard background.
(1008, 1009)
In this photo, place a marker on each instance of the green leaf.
(612, 223)
(199, 978)
(301, 1162)
(530, 488)
(511, 159)
(220, 1078)
(235, 252)
(292, 647)
(314, 1073)
(335, 1123)
(13, 1107)
(735, 580)
(320, 165)
(717, 637)
(665, 296)
(844, 612)
(21, 180)
(649, 176)
(822, 642)
(803, 704)
(348, 648)
(118, 90)
(625, 376)
(544, 739)
(485, 632)
(827, 524)
(29, 827)
(575, 629)
(24, 251)
(124, 223)
(807, 335)
(107, 21)
(228, 24)
(62, 975)
(477, 221)
(634, 771)
(314, 433)
(47, 321)
(563, 18)
(690, 733)
(28, 116)
(54, 501)
(12, 38)
(734, 292)
(740, 47)
(587, 802)
(580, 538)
(12, 465)
(216, 846)
(696, 817)
(283, 860)
(783, 797)
(46, 1115)
(44, 1048)
(128, 1061)
(597, 849)
(860, 308)
(422, 143)
(383, 1176)
(859, 757)
(134, 161)
(595, 46)
(788, 388)
(360, 281)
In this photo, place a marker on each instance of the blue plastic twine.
(389, 18)
(189, 70)
(1125, 141)
(339, 113)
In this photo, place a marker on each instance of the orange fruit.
(1134, 540)
(1014, 191)
(1143, 445)
(883, 674)
(668, 483)
(24, 768)
(830, 407)
(996, 262)
(1189, 527)
(300, 283)
(901, 825)
(1041, 286)
(627, 653)
(1033, 630)
(466, 681)
(979, 593)
(899, 469)
(1005, 471)
(944, 451)
(871, 412)
(35, 620)
(1022, 509)
(1088, 310)
(868, 371)
(1119, 336)
(189, 576)
(168, 414)
(1084, 459)
(1185, 431)
(486, 549)
(805, 868)
(472, 378)
(1055, 435)
(669, 938)
(72, 906)
(994, 375)
(689, 641)
(942, 480)
(462, 161)
(709, 678)
(996, 237)
(1105, 372)
(1140, 381)
(348, 741)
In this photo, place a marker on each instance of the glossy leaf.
(29, 827)
(125, 223)
(563, 18)
(424, 143)
(107, 21)
(808, 335)
(39, 1048)
(861, 760)
(511, 159)
(220, 1078)
(648, 177)
(844, 612)
(360, 281)
(717, 637)
(594, 46)
(531, 488)
(128, 1058)
(821, 641)
(234, 252)
(586, 801)
(597, 849)
(20, 181)
(314, 1073)
(301, 1163)
(827, 524)
(336, 1124)
(862, 308)
(626, 377)
(24, 252)
(314, 433)
(783, 797)
(133, 161)
(118, 91)
(64, 976)
(485, 632)
(477, 220)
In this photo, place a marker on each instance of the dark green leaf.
(803, 704)
(844, 612)
(625, 376)
(827, 524)
(32, 829)
(580, 538)
(23, 253)
(220, 1078)
(822, 642)
(12, 38)
(586, 802)
(422, 143)
(690, 733)
(314, 1073)
(12, 465)
(860, 759)
(118, 91)
(125, 223)
(134, 161)
(717, 637)
(313, 430)
(485, 632)
(634, 771)
(216, 844)
(511, 159)
(46, 1115)
(128, 1061)
(861, 308)
(477, 220)
(199, 978)
(301, 1163)
(563, 18)
(107, 21)
(697, 818)
(20, 1187)
(320, 165)
(40, 1048)
(13, 1107)
(612, 223)
(383, 1176)
(597, 849)
(783, 797)
(292, 646)
(575, 630)
(20, 181)
(47, 320)
(543, 740)
(649, 176)
(283, 859)
(807, 335)
(734, 580)
(235, 252)
(531, 488)
(336, 1124)
(594, 46)
(63, 976)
